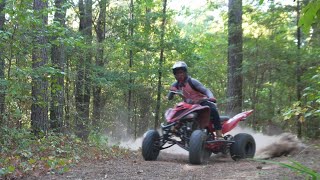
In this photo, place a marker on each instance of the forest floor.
(170, 165)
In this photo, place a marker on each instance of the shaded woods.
(103, 67)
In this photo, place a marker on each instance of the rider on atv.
(195, 93)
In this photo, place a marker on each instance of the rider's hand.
(213, 100)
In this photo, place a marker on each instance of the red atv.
(189, 127)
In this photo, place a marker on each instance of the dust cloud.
(136, 145)
(266, 146)
(273, 146)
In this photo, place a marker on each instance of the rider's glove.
(213, 100)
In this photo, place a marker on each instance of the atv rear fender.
(233, 122)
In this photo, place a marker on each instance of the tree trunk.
(57, 81)
(130, 67)
(83, 72)
(68, 96)
(235, 56)
(39, 108)
(161, 60)
(298, 71)
(98, 101)
(256, 84)
(2, 67)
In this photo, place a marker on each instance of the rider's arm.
(200, 87)
(172, 88)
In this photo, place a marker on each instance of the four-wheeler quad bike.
(189, 127)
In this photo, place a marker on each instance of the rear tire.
(150, 145)
(243, 147)
(197, 151)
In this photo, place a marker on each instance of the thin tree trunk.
(256, 85)
(235, 56)
(83, 72)
(57, 81)
(68, 101)
(130, 67)
(2, 67)
(298, 71)
(144, 119)
(135, 118)
(98, 102)
(144, 112)
(161, 60)
(39, 108)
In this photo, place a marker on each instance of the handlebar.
(180, 93)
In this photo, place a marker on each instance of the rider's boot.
(219, 135)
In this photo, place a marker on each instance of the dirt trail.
(176, 166)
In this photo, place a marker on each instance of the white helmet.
(179, 65)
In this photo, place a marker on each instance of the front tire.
(197, 151)
(243, 147)
(150, 145)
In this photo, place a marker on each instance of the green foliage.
(23, 154)
(308, 109)
(98, 140)
(310, 14)
(311, 108)
(295, 111)
(312, 93)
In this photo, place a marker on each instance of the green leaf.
(308, 114)
(260, 2)
(32, 161)
(2, 172)
(308, 15)
(11, 169)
